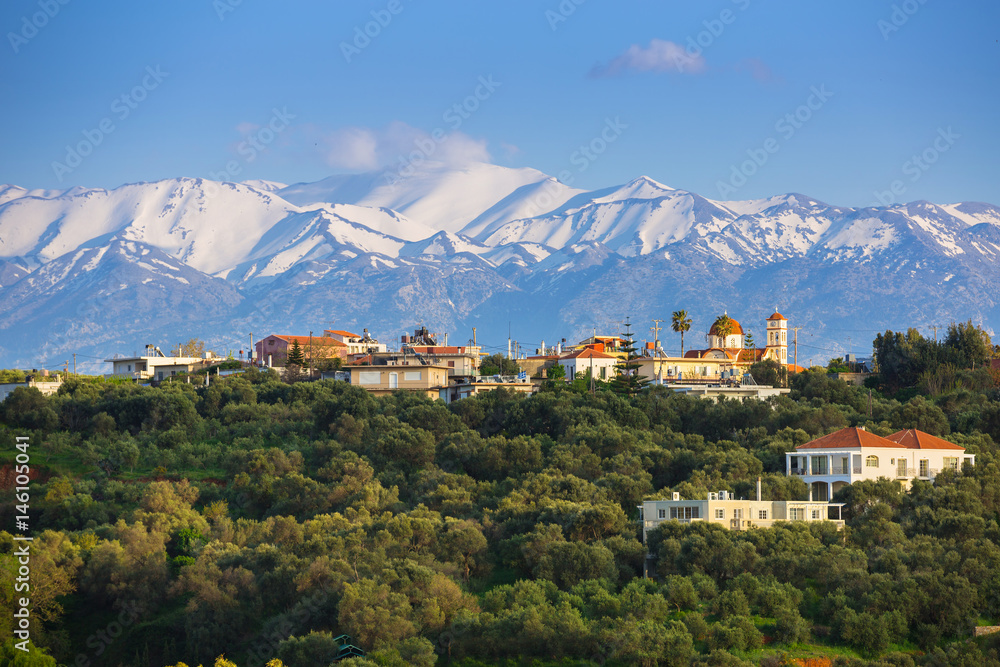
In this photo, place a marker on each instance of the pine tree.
(627, 380)
(296, 357)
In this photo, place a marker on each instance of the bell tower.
(777, 337)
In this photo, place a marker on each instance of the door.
(900, 467)
(393, 380)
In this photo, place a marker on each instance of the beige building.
(47, 386)
(428, 380)
(481, 385)
(734, 513)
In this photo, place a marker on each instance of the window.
(815, 515)
(950, 463)
(738, 513)
(451, 364)
(720, 514)
(762, 515)
(684, 513)
(819, 465)
(411, 376)
(673, 512)
(370, 377)
(796, 514)
(923, 467)
(662, 514)
(871, 462)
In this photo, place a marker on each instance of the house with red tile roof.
(600, 365)
(273, 350)
(829, 463)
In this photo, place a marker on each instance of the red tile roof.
(777, 316)
(851, 437)
(587, 354)
(914, 439)
(341, 333)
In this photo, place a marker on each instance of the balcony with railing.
(822, 472)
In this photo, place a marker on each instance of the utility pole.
(74, 363)
(310, 355)
(251, 349)
(656, 333)
(935, 327)
(796, 343)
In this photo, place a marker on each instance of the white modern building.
(155, 365)
(829, 463)
(363, 344)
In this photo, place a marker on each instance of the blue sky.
(731, 99)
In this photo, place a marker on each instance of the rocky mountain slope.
(97, 271)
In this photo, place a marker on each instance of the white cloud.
(367, 149)
(352, 148)
(659, 56)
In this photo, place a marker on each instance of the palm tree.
(723, 327)
(680, 322)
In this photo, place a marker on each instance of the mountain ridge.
(459, 252)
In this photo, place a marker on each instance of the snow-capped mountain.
(93, 270)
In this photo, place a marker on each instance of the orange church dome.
(737, 329)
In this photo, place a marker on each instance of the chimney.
(758, 489)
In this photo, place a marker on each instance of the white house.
(599, 364)
(363, 344)
(156, 365)
(829, 463)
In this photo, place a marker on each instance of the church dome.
(737, 329)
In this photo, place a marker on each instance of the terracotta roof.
(737, 329)
(851, 437)
(777, 316)
(316, 340)
(587, 354)
(693, 354)
(914, 439)
(792, 368)
(341, 333)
